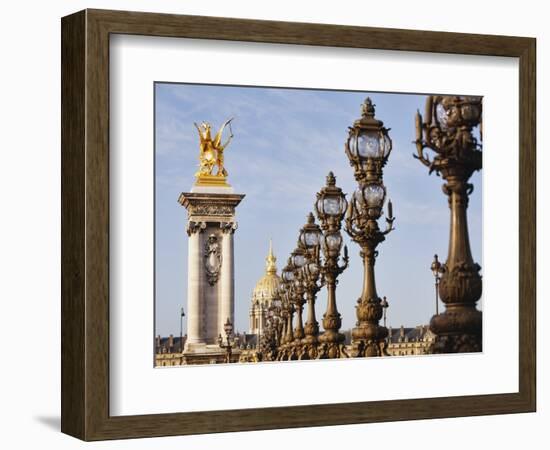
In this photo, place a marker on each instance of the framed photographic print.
(271, 224)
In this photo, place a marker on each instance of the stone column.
(211, 224)
(227, 298)
(194, 313)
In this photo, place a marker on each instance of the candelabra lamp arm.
(348, 225)
(424, 142)
(345, 259)
(420, 155)
(390, 218)
(352, 217)
(420, 144)
(389, 225)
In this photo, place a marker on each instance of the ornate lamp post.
(284, 322)
(447, 129)
(267, 344)
(437, 270)
(330, 207)
(306, 259)
(368, 148)
(385, 305)
(182, 315)
(270, 340)
(228, 329)
(287, 310)
(274, 318)
(298, 289)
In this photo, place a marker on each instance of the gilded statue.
(211, 150)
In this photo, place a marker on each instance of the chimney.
(158, 340)
(171, 341)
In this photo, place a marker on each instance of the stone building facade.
(168, 351)
(410, 341)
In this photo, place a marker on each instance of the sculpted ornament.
(212, 210)
(228, 227)
(211, 155)
(212, 259)
(193, 227)
(462, 284)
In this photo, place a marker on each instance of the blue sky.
(286, 141)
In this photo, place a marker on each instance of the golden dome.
(267, 287)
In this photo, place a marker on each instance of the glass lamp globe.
(385, 144)
(331, 202)
(456, 111)
(374, 195)
(313, 269)
(331, 205)
(334, 241)
(442, 115)
(287, 275)
(368, 138)
(311, 238)
(357, 199)
(298, 259)
(370, 144)
(310, 233)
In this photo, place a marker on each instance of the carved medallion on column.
(212, 259)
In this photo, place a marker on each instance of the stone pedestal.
(210, 286)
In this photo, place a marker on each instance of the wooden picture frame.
(85, 224)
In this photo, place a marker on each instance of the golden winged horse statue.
(211, 150)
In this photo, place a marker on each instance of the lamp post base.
(333, 349)
(458, 330)
(310, 346)
(369, 337)
(369, 340)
